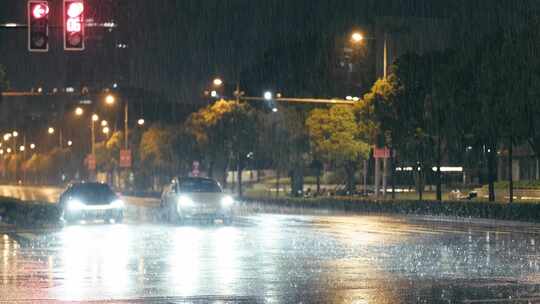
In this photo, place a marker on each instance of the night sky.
(176, 47)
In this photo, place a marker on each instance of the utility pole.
(126, 112)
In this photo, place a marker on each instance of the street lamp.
(8, 150)
(50, 130)
(79, 111)
(15, 133)
(357, 37)
(95, 117)
(268, 95)
(22, 148)
(104, 123)
(109, 99)
(106, 130)
(140, 122)
(32, 146)
(217, 82)
(214, 93)
(69, 143)
(7, 136)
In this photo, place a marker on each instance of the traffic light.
(38, 26)
(73, 25)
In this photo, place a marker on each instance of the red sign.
(91, 162)
(381, 153)
(125, 158)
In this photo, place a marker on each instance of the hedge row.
(470, 209)
(13, 211)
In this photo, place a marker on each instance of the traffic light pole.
(126, 142)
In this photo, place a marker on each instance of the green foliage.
(156, 150)
(335, 135)
(108, 152)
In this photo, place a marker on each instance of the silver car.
(196, 198)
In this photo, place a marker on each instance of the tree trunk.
(211, 169)
(225, 173)
(318, 181)
(439, 177)
(297, 181)
(239, 175)
(385, 176)
(420, 183)
(277, 181)
(491, 174)
(377, 177)
(351, 183)
(366, 170)
(510, 179)
(393, 173)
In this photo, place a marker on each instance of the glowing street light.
(69, 143)
(106, 130)
(1, 151)
(79, 111)
(22, 148)
(15, 133)
(268, 95)
(8, 150)
(217, 82)
(274, 110)
(140, 122)
(214, 94)
(95, 117)
(50, 130)
(32, 146)
(109, 99)
(7, 136)
(104, 123)
(357, 37)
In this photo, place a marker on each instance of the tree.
(335, 136)
(226, 131)
(156, 152)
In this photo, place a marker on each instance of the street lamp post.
(110, 100)
(357, 38)
(95, 118)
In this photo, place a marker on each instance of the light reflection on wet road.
(276, 259)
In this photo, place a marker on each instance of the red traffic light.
(73, 25)
(75, 9)
(40, 10)
(38, 26)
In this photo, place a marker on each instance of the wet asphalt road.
(273, 258)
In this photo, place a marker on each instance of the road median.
(529, 212)
(27, 213)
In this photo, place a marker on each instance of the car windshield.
(92, 191)
(199, 185)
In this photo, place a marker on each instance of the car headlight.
(75, 204)
(184, 201)
(227, 201)
(118, 204)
